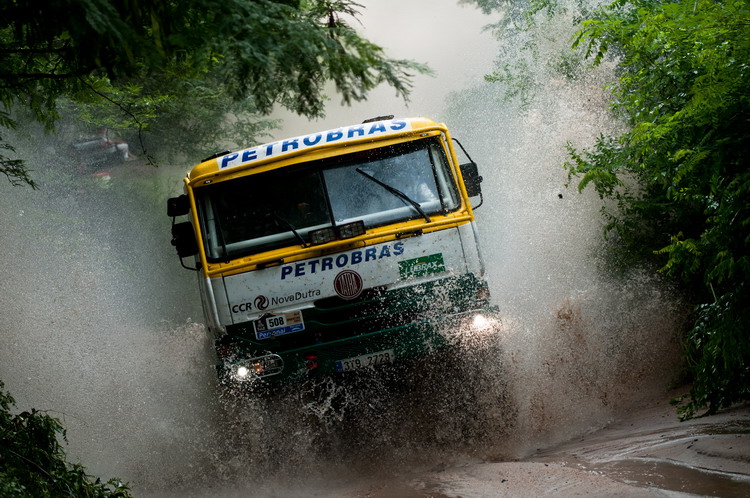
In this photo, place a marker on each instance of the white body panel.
(293, 286)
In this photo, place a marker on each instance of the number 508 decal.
(270, 325)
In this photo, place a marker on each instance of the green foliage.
(680, 175)
(185, 55)
(13, 169)
(167, 117)
(32, 462)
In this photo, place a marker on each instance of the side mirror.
(183, 239)
(472, 179)
(178, 206)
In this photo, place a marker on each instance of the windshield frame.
(436, 159)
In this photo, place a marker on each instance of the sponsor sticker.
(290, 145)
(273, 325)
(261, 302)
(419, 267)
(320, 265)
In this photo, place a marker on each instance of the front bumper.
(241, 364)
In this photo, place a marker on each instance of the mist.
(103, 328)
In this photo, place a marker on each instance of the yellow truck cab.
(334, 251)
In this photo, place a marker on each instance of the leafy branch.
(683, 87)
(33, 463)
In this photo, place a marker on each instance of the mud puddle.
(675, 476)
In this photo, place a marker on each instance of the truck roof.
(369, 131)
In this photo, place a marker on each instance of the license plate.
(365, 361)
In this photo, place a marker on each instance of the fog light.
(351, 230)
(322, 236)
(341, 232)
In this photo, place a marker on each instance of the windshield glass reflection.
(280, 208)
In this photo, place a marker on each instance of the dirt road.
(648, 453)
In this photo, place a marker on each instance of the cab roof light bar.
(341, 232)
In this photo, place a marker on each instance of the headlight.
(480, 322)
(256, 367)
(478, 330)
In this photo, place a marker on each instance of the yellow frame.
(209, 172)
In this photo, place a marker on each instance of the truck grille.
(333, 318)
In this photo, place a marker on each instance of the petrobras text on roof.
(281, 147)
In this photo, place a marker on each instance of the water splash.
(103, 327)
(583, 341)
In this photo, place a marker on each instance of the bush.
(32, 461)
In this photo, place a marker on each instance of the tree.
(32, 462)
(680, 174)
(270, 51)
(167, 117)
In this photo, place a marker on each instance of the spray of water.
(583, 341)
(102, 327)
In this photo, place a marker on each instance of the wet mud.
(649, 452)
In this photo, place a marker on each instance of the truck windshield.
(280, 208)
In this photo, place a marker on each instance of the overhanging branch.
(126, 111)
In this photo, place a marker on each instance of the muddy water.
(102, 327)
(96, 329)
(672, 476)
(649, 449)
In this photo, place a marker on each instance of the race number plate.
(365, 361)
(273, 325)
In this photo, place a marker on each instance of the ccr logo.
(242, 307)
(261, 302)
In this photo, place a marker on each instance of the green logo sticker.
(419, 267)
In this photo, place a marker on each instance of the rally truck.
(334, 251)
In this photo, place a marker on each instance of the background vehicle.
(99, 150)
(334, 251)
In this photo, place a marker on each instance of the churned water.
(102, 327)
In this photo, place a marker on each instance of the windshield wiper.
(291, 227)
(397, 193)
